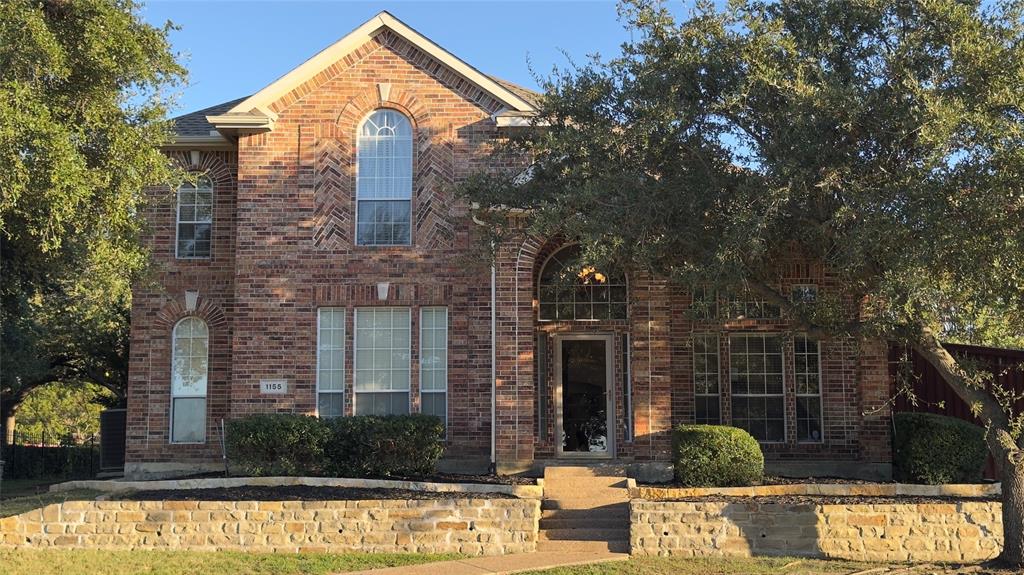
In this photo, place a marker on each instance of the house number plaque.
(273, 386)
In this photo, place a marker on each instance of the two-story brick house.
(320, 264)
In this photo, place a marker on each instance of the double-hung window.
(705, 380)
(189, 366)
(807, 370)
(758, 398)
(330, 362)
(434, 361)
(195, 219)
(384, 180)
(382, 361)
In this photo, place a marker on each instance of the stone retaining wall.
(468, 526)
(967, 531)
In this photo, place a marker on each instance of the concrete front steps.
(585, 509)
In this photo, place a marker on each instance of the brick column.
(650, 316)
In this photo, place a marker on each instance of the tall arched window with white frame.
(194, 228)
(190, 359)
(384, 180)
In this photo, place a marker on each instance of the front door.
(584, 398)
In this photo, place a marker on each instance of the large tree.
(84, 90)
(883, 138)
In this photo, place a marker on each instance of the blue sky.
(233, 49)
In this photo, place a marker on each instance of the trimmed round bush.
(277, 444)
(934, 449)
(716, 456)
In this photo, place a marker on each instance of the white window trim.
(170, 411)
(412, 166)
(785, 418)
(344, 339)
(178, 222)
(355, 354)
(819, 395)
(446, 356)
(718, 375)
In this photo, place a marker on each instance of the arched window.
(189, 366)
(384, 180)
(195, 219)
(572, 291)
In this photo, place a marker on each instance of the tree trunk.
(1013, 513)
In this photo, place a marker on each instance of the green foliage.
(396, 445)
(278, 444)
(62, 413)
(934, 449)
(361, 446)
(716, 456)
(84, 89)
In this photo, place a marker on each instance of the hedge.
(373, 446)
(361, 446)
(933, 449)
(278, 444)
(716, 456)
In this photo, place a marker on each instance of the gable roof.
(254, 113)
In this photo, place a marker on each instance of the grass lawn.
(89, 562)
(18, 505)
(714, 566)
(22, 487)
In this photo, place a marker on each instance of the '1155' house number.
(274, 386)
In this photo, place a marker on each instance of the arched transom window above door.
(571, 291)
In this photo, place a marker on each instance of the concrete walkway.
(499, 565)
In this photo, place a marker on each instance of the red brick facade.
(283, 246)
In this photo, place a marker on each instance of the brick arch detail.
(334, 172)
(211, 165)
(174, 311)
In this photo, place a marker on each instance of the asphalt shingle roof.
(195, 124)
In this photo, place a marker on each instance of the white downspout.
(493, 469)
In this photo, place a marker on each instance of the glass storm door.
(585, 407)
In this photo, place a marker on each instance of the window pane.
(382, 403)
(331, 362)
(382, 360)
(807, 361)
(189, 358)
(706, 379)
(570, 291)
(384, 172)
(188, 420)
(331, 404)
(756, 381)
(435, 404)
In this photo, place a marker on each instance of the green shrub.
(278, 444)
(716, 456)
(382, 446)
(934, 449)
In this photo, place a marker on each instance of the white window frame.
(178, 221)
(818, 396)
(781, 395)
(423, 366)
(320, 349)
(718, 376)
(355, 356)
(359, 178)
(204, 396)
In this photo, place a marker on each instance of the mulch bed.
(831, 500)
(297, 493)
(435, 478)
